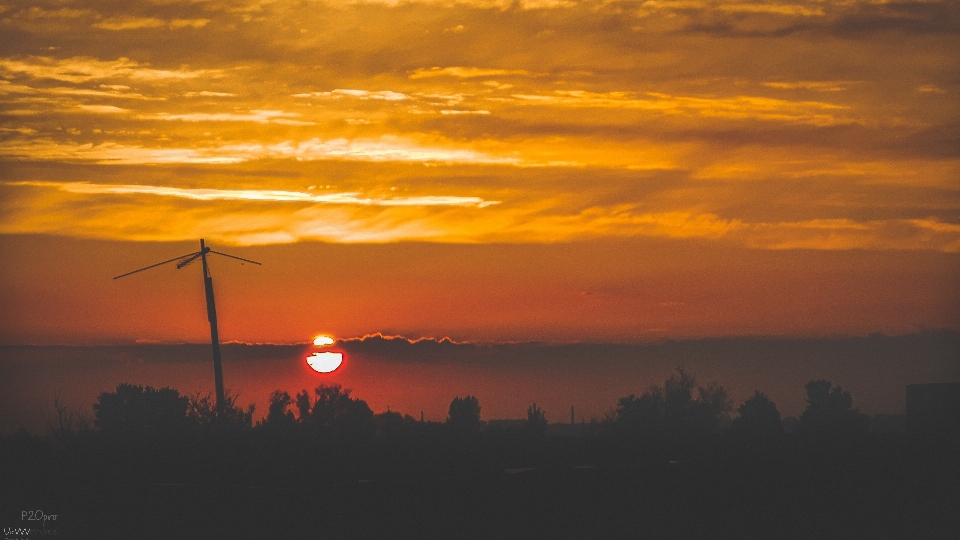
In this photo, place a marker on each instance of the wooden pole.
(214, 334)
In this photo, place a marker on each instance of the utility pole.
(214, 331)
(182, 261)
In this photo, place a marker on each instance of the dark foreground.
(494, 486)
(156, 464)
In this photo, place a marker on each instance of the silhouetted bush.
(758, 415)
(142, 412)
(671, 415)
(830, 423)
(464, 415)
(203, 411)
(69, 423)
(391, 423)
(333, 413)
(536, 420)
(278, 410)
(758, 428)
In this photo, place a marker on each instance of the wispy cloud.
(80, 69)
(458, 111)
(818, 86)
(258, 116)
(773, 8)
(385, 95)
(102, 109)
(465, 72)
(208, 93)
(123, 210)
(128, 22)
(34, 13)
(199, 194)
(735, 107)
(384, 149)
(104, 91)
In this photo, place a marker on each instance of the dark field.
(431, 480)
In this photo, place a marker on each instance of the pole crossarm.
(189, 260)
(159, 264)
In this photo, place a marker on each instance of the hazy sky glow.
(726, 167)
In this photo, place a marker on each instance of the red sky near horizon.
(486, 170)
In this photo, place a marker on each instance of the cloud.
(196, 194)
(387, 148)
(102, 109)
(458, 112)
(399, 348)
(930, 89)
(384, 149)
(258, 116)
(108, 153)
(208, 93)
(736, 107)
(773, 8)
(598, 119)
(818, 86)
(128, 22)
(845, 234)
(34, 13)
(105, 91)
(159, 212)
(80, 69)
(385, 95)
(465, 72)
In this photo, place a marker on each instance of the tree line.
(678, 414)
(668, 458)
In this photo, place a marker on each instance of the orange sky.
(553, 170)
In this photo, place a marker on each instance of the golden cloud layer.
(772, 124)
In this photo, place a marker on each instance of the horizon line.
(479, 343)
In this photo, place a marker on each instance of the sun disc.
(323, 341)
(325, 362)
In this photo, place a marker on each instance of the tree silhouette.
(673, 407)
(536, 420)
(202, 410)
(335, 413)
(464, 414)
(331, 403)
(69, 423)
(278, 411)
(303, 407)
(826, 402)
(830, 419)
(758, 428)
(758, 415)
(141, 412)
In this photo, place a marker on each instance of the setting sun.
(325, 362)
(323, 341)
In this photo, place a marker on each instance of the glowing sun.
(325, 362)
(323, 341)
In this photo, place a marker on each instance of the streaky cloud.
(465, 72)
(385, 149)
(352, 198)
(385, 95)
(80, 69)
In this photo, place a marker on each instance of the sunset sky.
(489, 171)
(618, 182)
